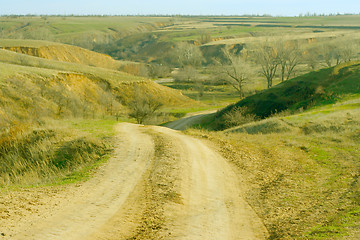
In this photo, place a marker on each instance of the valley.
(180, 127)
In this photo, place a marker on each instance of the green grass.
(220, 32)
(303, 93)
(213, 95)
(100, 128)
(82, 175)
(305, 185)
(25, 43)
(67, 29)
(103, 129)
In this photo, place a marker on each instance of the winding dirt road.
(189, 120)
(160, 184)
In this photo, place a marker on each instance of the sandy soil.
(160, 184)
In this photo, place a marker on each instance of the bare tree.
(188, 54)
(338, 51)
(186, 74)
(143, 106)
(289, 56)
(312, 57)
(348, 50)
(266, 56)
(158, 70)
(236, 71)
(328, 52)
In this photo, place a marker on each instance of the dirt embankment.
(160, 184)
(67, 53)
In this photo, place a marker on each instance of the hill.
(35, 91)
(87, 84)
(301, 167)
(61, 52)
(82, 31)
(301, 170)
(300, 93)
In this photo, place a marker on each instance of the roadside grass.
(100, 128)
(304, 182)
(61, 152)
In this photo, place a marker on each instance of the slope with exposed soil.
(160, 184)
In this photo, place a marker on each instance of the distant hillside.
(315, 88)
(61, 52)
(33, 88)
(81, 31)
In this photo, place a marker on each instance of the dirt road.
(161, 184)
(189, 120)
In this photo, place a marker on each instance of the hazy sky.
(197, 7)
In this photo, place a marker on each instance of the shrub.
(238, 116)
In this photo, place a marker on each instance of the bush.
(238, 116)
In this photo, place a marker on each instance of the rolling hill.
(46, 82)
(300, 93)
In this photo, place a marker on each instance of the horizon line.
(308, 14)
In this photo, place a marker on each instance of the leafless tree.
(188, 54)
(186, 74)
(266, 56)
(348, 50)
(235, 70)
(143, 106)
(312, 57)
(328, 52)
(289, 56)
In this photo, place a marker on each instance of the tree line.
(272, 58)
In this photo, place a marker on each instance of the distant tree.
(235, 71)
(266, 55)
(289, 56)
(158, 70)
(187, 54)
(312, 57)
(186, 74)
(205, 37)
(338, 50)
(143, 106)
(348, 49)
(329, 52)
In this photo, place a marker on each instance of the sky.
(185, 7)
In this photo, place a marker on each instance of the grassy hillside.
(80, 31)
(300, 168)
(303, 92)
(59, 52)
(301, 171)
(35, 90)
(212, 33)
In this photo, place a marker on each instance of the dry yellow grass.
(62, 52)
(301, 172)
